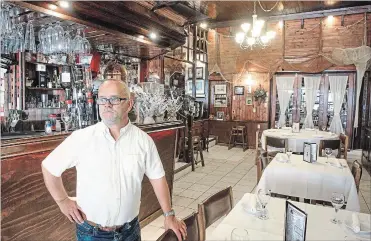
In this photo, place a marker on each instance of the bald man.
(111, 158)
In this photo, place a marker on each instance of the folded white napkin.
(282, 158)
(355, 223)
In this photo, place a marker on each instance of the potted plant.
(260, 94)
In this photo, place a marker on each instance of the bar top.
(16, 138)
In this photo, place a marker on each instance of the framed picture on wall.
(199, 72)
(239, 90)
(200, 88)
(220, 115)
(190, 74)
(220, 101)
(249, 91)
(220, 89)
(249, 100)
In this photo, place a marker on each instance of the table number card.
(295, 223)
(295, 127)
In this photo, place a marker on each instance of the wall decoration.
(220, 115)
(200, 88)
(239, 90)
(199, 72)
(190, 74)
(260, 94)
(249, 91)
(249, 100)
(220, 100)
(220, 89)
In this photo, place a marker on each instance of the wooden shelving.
(37, 88)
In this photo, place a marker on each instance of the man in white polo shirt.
(111, 158)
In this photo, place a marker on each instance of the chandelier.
(253, 35)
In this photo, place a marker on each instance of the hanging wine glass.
(68, 42)
(42, 40)
(32, 44)
(78, 43)
(49, 39)
(86, 44)
(27, 37)
(59, 38)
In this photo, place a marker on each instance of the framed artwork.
(239, 90)
(220, 115)
(249, 100)
(249, 91)
(190, 74)
(199, 72)
(200, 88)
(220, 89)
(220, 101)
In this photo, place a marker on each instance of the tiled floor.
(224, 168)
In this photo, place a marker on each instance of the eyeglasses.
(112, 100)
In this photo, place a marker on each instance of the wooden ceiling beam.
(296, 16)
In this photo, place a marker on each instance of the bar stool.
(197, 149)
(235, 132)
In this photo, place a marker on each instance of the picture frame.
(220, 89)
(295, 223)
(239, 90)
(190, 73)
(200, 87)
(249, 100)
(199, 72)
(249, 90)
(220, 115)
(220, 101)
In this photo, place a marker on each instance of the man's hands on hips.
(178, 226)
(72, 211)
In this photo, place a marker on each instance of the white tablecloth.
(319, 226)
(310, 180)
(296, 140)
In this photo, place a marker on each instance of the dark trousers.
(128, 232)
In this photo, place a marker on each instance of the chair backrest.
(262, 164)
(333, 144)
(193, 230)
(215, 207)
(344, 145)
(357, 173)
(275, 142)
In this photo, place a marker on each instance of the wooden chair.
(193, 230)
(344, 141)
(333, 144)
(357, 173)
(238, 131)
(197, 149)
(262, 164)
(279, 143)
(213, 208)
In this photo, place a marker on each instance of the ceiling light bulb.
(280, 23)
(203, 25)
(260, 22)
(330, 18)
(245, 27)
(64, 4)
(152, 35)
(250, 41)
(52, 7)
(256, 32)
(271, 34)
(239, 37)
(264, 39)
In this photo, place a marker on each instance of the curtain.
(338, 85)
(311, 85)
(285, 86)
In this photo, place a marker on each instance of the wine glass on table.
(328, 152)
(239, 234)
(263, 197)
(67, 119)
(324, 128)
(337, 200)
(289, 153)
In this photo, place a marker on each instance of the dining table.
(310, 180)
(296, 140)
(319, 225)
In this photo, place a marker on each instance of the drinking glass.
(328, 152)
(263, 197)
(86, 44)
(324, 128)
(68, 42)
(59, 38)
(289, 153)
(67, 119)
(49, 39)
(78, 43)
(337, 200)
(42, 40)
(239, 234)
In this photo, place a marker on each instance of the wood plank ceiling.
(126, 25)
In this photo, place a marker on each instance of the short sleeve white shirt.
(109, 172)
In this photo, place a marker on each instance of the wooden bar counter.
(28, 210)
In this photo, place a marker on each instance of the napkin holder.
(295, 127)
(310, 152)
